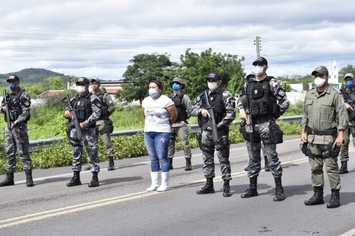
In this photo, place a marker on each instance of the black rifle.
(211, 118)
(74, 118)
(248, 121)
(6, 110)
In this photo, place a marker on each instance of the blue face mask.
(153, 93)
(176, 87)
(13, 86)
(349, 84)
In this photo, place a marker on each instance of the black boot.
(252, 190)
(207, 188)
(317, 197)
(226, 189)
(344, 167)
(29, 179)
(334, 201)
(267, 168)
(188, 164)
(171, 164)
(94, 180)
(246, 168)
(279, 190)
(75, 180)
(111, 164)
(9, 180)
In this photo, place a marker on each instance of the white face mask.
(80, 89)
(212, 85)
(319, 82)
(90, 89)
(258, 70)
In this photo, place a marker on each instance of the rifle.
(6, 106)
(74, 118)
(212, 118)
(248, 121)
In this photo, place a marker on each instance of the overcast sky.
(98, 38)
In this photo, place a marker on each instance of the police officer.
(262, 101)
(104, 124)
(180, 128)
(215, 103)
(18, 104)
(87, 108)
(323, 125)
(348, 92)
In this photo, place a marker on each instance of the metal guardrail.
(194, 129)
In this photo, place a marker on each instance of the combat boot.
(334, 201)
(226, 189)
(344, 167)
(111, 164)
(252, 190)
(29, 179)
(75, 180)
(207, 188)
(267, 168)
(9, 180)
(188, 164)
(317, 197)
(94, 180)
(279, 190)
(171, 164)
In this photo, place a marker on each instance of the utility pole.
(257, 43)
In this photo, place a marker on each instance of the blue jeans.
(157, 145)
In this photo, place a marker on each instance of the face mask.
(80, 89)
(349, 84)
(13, 86)
(153, 93)
(212, 85)
(90, 89)
(259, 70)
(176, 87)
(319, 82)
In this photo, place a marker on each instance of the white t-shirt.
(156, 115)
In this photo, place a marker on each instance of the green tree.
(143, 68)
(55, 82)
(195, 66)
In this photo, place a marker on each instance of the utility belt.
(262, 119)
(325, 137)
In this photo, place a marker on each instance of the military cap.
(95, 81)
(260, 61)
(82, 81)
(12, 78)
(320, 71)
(213, 77)
(179, 81)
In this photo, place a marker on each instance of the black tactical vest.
(180, 107)
(82, 106)
(217, 103)
(14, 105)
(262, 102)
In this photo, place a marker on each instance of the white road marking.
(107, 201)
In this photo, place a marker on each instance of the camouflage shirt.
(324, 111)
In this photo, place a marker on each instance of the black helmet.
(82, 81)
(214, 77)
(13, 78)
(95, 81)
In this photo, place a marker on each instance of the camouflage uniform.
(87, 108)
(324, 116)
(105, 125)
(349, 98)
(223, 105)
(16, 137)
(180, 128)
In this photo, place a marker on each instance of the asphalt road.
(120, 206)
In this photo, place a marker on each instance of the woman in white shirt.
(159, 114)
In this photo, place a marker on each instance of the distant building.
(50, 93)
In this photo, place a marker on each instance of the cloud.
(99, 38)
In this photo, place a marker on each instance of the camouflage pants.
(90, 142)
(262, 134)
(183, 134)
(105, 129)
(318, 157)
(16, 141)
(344, 151)
(208, 148)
